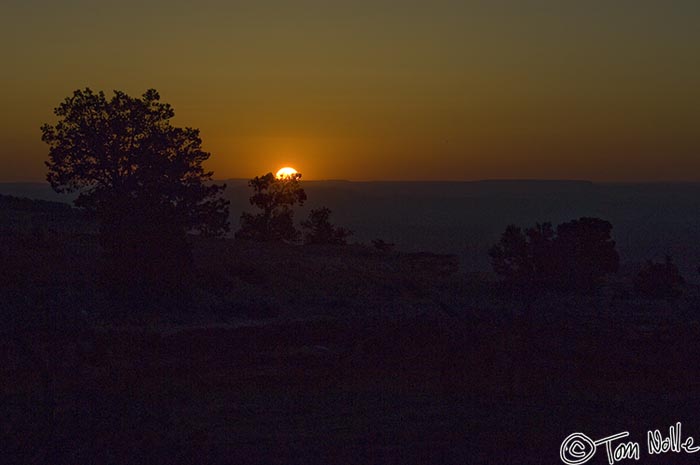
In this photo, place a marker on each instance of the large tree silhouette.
(275, 197)
(141, 177)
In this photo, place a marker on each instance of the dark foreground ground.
(305, 355)
(419, 390)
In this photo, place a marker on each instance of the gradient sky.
(369, 90)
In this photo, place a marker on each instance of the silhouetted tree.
(585, 252)
(276, 197)
(659, 280)
(511, 257)
(524, 256)
(541, 242)
(319, 229)
(143, 180)
(578, 256)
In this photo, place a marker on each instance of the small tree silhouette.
(577, 257)
(659, 280)
(511, 257)
(541, 243)
(276, 197)
(319, 230)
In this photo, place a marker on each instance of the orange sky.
(377, 89)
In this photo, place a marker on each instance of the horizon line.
(464, 181)
(426, 181)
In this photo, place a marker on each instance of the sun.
(286, 172)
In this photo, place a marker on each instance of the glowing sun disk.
(286, 172)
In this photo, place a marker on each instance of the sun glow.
(286, 172)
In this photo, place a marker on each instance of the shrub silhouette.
(319, 230)
(381, 244)
(576, 257)
(659, 280)
(276, 197)
(142, 179)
